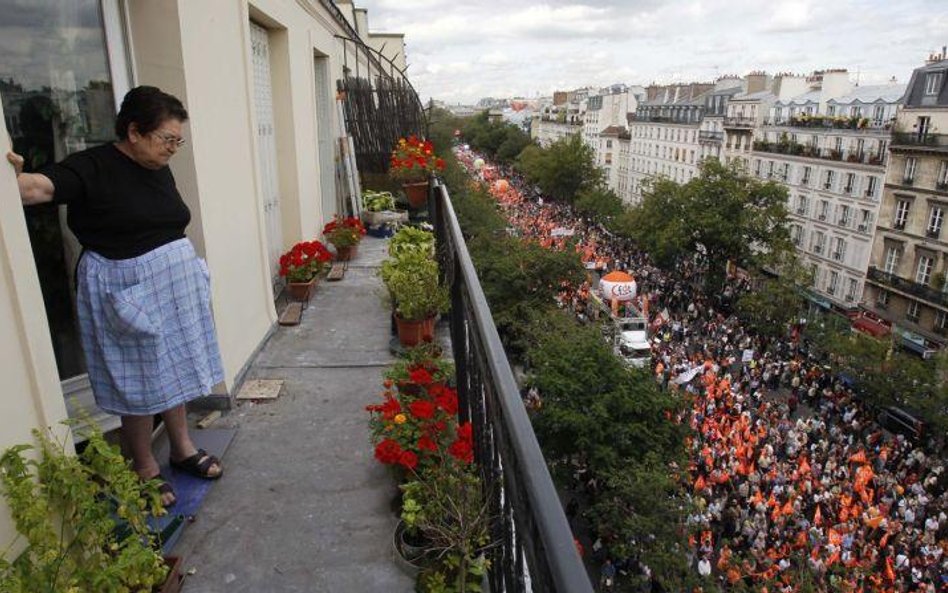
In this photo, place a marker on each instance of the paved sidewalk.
(302, 505)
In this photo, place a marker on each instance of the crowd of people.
(791, 480)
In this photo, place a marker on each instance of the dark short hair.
(147, 107)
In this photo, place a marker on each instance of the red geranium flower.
(391, 408)
(462, 451)
(448, 401)
(422, 409)
(388, 451)
(408, 459)
(426, 444)
(420, 376)
(465, 432)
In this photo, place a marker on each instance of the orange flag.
(817, 516)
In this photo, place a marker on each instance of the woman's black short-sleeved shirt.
(116, 207)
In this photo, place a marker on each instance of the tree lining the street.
(722, 214)
(500, 141)
(617, 421)
(562, 169)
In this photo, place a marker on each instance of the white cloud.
(463, 51)
(790, 16)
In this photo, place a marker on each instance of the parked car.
(895, 419)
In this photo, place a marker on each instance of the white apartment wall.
(791, 86)
(660, 149)
(202, 62)
(621, 187)
(835, 84)
(32, 397)
(390, 45)
(609, 158)
(548, 132)
(806, 212)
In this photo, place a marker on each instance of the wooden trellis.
(379, 105)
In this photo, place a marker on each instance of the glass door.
(57, 84)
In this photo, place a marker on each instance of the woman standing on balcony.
(143, 295)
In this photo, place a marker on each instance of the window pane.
(57, 99)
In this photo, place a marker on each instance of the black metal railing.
(739, 122)
(707, 136)
(861, 125)
(916, 140)
(535, 550)
(908, 286)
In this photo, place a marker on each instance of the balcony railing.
(529, 523)
(739, 122)
(715, 137)
(937, 142)
(830, 123)
(908, 286)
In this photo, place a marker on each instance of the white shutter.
(266, 149)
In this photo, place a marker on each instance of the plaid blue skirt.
(147, 329)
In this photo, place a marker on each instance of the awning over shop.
(867, 325)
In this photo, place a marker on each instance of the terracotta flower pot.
(175, 578)
(301, 291)
(417, 193)
(412, 333)
(346, 253)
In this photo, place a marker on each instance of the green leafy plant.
(426, 355)
(409, 238)
(454, 520)
(413, 284)
(67, 508)
(378, 201)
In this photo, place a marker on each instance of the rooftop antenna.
(857, 76)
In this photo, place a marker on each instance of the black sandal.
(198, 465)
(164, 488)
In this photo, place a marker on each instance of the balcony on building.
(740, 123)
(707, 137)
(906, 287)
(830, 124)
(810, 151)
(903, 142)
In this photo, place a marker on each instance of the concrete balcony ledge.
(303, 505)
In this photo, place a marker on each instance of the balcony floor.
(303, 506)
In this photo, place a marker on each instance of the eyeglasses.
(169, 140)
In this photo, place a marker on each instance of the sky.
(459, 52)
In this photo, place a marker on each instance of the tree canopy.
(498, 140)
(562, 169)
(722, 213)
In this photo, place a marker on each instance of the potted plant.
(301, 267)
(412, 427)
(344, 233)
(417, 295)
(425, 356)
(412, 162)
(453, 521)
(374, 204)
(68, 508)
(410, 238)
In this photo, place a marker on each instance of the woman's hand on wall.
(35, 188)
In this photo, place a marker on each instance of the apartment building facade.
(906, 279)
(612, 146)
(664, 135)
(828, 146)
